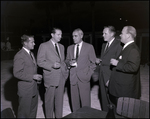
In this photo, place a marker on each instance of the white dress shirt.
(127, 44)
(57, 46)
(80, 46)
(28, 51)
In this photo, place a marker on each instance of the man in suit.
(125, 78)
(111, 48)
(81, 62)
(50, 57)
(25, 69)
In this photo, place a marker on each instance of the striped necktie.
(31, 55)
(106, 48)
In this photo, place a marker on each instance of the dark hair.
(54, 30)
(111, 29)
(25, 38)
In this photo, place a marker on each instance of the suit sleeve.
(132, 64)
(92, 58)
(41, 58)
(67, 58)
(18, 69)
(118, 51)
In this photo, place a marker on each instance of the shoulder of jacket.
(88, 44)
(19, 53)
(44, 43)
(70, 46)
(61, 44)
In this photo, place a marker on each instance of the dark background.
(39, 17)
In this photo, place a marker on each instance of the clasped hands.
(73, 63)
(37, 77)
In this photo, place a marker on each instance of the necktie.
(106, 48)
(57, 49)
(77, 51)
(31, 55)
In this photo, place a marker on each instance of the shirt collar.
(54, 42)
(80, 44)
(28, 51)
(111, 41)
(127, 44)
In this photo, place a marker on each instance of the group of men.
(118, 76)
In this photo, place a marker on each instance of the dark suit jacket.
(46, 58)
(112, 52)
(24, 68)
(85, 63)
(125, 78)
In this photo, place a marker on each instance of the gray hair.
(131, 30)
(79, 30)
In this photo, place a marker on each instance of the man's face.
(77, 37)
(30, 43)
(57, 35)
(107, 34)
(124, 35)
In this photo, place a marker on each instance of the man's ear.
(128, 35)
(52, 34)
(112, 34)
(25, 43)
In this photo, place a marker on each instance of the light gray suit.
(80, 76)
(54, 79)
(24, 68)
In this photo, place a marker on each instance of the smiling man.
(51, 57)
(25, 70)
(125, 78)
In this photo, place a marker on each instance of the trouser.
(27, 106)
(114, 100)
(54, 100)
(80, 93)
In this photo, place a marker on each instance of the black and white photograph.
(75, 59)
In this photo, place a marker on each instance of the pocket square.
(120, 57)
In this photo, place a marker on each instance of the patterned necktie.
(57, 49)
(31, 55)
(77, 51)
(106, 48)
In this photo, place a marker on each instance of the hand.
(73, 63)
(98, 61)
(114, 62)
(56, 65)
(37, 77)
(107, 83)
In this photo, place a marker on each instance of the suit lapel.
(34, 61)
(54, 50)
(82, 50)
(127, 48)
(60, 52)
(29, 57)
(110, 47)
